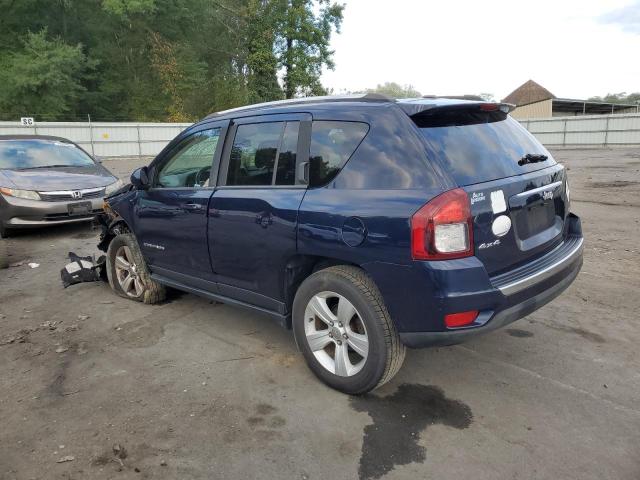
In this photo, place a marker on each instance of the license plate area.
(79, 209)
(538, 215)
(533, 220)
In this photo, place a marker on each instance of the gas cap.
(353, 231)
(501, 226)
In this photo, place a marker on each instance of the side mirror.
(140, 178)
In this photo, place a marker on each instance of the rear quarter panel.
(387, 179)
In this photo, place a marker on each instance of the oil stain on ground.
(398, 421)
(516, 332)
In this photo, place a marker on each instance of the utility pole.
(93, 153)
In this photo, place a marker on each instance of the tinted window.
(25, 154)
(190, 163)
(477, 148)
(253, 155)
(332, 143)
(286, 168)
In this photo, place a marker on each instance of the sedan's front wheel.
(344, 330)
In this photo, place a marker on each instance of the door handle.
(192, 207)
(303, 173)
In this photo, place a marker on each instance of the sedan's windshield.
(35, 153)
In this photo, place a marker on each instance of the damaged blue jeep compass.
(365, 224)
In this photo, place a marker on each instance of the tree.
(487, 97)
(155, 60)
(395, 90)
(623, 97)
(262, 62)
(45, 77)
(302, 43)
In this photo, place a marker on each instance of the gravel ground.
(96, 386)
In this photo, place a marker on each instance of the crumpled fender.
(112, 225)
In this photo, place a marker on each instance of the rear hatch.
(517, 191)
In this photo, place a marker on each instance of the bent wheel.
(128, 273)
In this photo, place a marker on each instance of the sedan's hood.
(58, 178)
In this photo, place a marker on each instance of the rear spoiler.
(420, 109)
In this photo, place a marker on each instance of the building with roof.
(532, 100)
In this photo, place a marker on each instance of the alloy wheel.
(127, 273)
(336, 334)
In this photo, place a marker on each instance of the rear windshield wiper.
(532, 158)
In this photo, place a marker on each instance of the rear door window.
(478, 147)
(332, 144)
(264, 154)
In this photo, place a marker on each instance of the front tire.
(344, 330)
(4, 231)
(128, 273)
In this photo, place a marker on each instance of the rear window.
(478, 146)
(332, 143)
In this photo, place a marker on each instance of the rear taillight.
(443, 228)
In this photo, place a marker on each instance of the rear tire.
(355, 355)
(128, 273)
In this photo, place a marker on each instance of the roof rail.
(361, 97)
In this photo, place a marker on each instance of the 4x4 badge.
(482, 246)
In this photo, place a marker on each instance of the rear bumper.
(22, 213)
(432, 290)
(496, 320)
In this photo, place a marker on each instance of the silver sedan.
(48, 181)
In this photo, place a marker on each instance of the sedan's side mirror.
(140, 178)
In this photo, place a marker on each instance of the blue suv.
(365, 224)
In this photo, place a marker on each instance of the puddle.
(399, 420)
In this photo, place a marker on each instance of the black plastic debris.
(83, 269)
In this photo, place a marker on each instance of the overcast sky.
(574, 48)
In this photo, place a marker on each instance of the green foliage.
(302, 43)
(45, 76)
(262, 62)
(395, 90)
(156, 60)
(126, 7)
(623, 97)
(488, 97)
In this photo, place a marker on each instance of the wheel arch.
(299, 267)
(112, 225)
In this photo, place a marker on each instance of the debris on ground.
(16, 264)
(19, 337)
(33, 265)
(50, 325)
(119, 451)
(61, 349)
(83, 317)
(83, 269)
(68, 458)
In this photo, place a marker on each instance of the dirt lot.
(191, 389)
